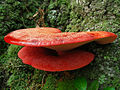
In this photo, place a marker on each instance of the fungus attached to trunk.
(57, 41)
(50, 60)
(37, 40)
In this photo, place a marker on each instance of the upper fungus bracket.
(55, 39)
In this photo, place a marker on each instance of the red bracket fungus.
(37, 40)
(49, 60)
(57, 41)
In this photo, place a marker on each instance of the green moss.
(65, 85)
(50, 83)
(24, 80)
(16, 81)
(13, 50)
(94, 15)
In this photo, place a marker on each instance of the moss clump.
(13, 50)
(94, 15)
(65, 85)
(50, 83)
(24, 80)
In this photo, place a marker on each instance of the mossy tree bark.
(85, 15)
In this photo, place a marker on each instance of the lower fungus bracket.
(43, 59)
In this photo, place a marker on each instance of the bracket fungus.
(39, 43)
(50, 60)
(58, 41)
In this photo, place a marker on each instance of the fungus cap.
(46, 59)
(58, 41)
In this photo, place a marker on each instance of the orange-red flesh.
(47, 60)
(58, 41)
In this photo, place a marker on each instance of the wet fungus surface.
(50, 49)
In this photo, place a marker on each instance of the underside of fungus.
(50, 60)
